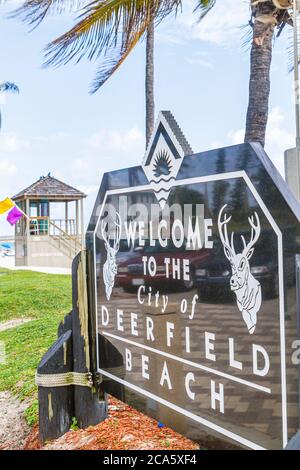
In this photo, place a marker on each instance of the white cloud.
(222, 25)
(103, 151)
(7, 168)
(10, 143)
(199, 58)
(106, 150)
(236, 137)
(56, 137)
(80, 164)
(278, 138)
(88, 189)
(108, 141)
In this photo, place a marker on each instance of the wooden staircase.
(68, 244)
(64, 240)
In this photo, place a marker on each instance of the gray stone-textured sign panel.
(216, 352)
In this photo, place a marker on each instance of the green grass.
(46, 298)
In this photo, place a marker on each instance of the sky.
(201, 76)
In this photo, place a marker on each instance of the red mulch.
(124, 429)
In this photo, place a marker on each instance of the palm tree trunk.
(149, 89)
(259, 88)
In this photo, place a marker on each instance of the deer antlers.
(229, 246)
(222, 224)
(255, 233)
(117, 237)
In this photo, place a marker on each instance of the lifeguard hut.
(53, 231)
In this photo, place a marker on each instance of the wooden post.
(56, 404)
(82, 223)
(66, 217)
(27, 233)
(88, 409)
(71, 353)
(77, 218)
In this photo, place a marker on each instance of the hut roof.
(49, 187)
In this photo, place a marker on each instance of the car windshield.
(124, 246)
(157, 248)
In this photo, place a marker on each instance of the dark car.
(126, 251)
(214, 274)
(131, 272)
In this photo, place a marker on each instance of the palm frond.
(111, 65)
(204, 6)
(103, 24)
(107, 26)
(106, 29)
(33, 12)
(9, 86)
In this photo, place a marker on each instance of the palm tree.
(111, 29)
(6, 87)
(149, 83)
(267, 15)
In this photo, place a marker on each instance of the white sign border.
(205, 179)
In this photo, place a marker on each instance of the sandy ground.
(9, 263)
(7, 325)
(13, 428)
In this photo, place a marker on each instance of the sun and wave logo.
(164, 156)
(162, 174)
(162, 164)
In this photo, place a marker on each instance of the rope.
(65, 379)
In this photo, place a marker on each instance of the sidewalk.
(9, 263)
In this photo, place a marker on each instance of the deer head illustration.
(246, 288)
(110, 268)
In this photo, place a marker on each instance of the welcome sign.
(195, 299)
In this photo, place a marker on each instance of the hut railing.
(66, 225)
(64, 239)
(55, 227)
(68, 243)
(39, 226)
